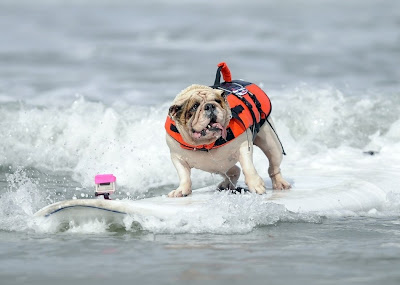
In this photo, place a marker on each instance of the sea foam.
(324, 131)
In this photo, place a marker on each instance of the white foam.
(221, 214)
(20, 202)
(89, 227)
(89, 138)
(208, 211)
(323, 130)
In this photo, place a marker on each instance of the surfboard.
(350, 195)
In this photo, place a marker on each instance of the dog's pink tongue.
(223, 133)
(223, 130)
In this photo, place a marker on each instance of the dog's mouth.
(213, 129)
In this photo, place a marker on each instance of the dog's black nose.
(209, 107)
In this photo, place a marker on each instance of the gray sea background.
(85, 87)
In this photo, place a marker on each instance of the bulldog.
(213, 128)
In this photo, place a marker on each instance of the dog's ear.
(219, 92)
(174, 110)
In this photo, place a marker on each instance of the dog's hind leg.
(269, 143)
(231, 178)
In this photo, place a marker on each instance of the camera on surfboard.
(105, 185)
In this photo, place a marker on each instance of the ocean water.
(85, 87)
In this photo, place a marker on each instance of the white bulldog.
(199, 116)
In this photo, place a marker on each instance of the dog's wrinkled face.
(201, 114)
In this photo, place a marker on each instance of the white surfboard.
(351, 195)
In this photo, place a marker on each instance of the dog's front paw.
(278, 183)
(226, 185)
(180, 192)
(256, 184)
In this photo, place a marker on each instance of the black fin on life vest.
(217, 80)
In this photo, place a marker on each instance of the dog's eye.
(218, 101)
(195, 106)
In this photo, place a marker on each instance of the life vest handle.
(226, 74)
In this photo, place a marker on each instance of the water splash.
(21, 201)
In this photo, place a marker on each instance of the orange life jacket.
(250, 107)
